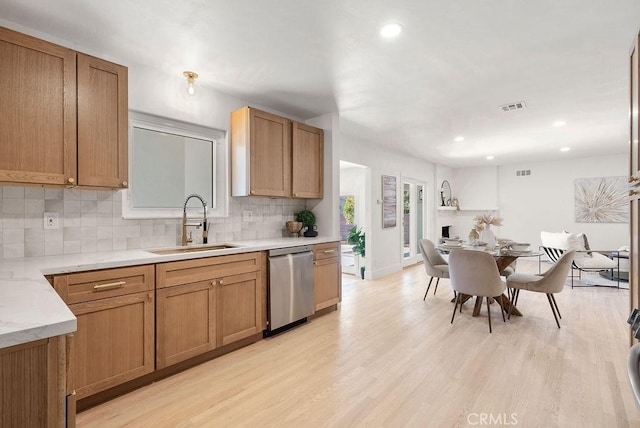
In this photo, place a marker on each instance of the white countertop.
(30, 309)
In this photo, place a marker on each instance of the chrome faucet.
(205, 233)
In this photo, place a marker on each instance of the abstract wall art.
(601, 200)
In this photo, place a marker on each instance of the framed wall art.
(389, 201)
(601, 200)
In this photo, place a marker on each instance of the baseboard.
(380, 273)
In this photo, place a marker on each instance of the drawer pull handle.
(329, 251)
(109, 286)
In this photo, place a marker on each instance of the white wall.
(384, 245)
(544, 200)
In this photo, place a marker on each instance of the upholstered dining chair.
(475, 273)
(434, 264)
(550, 282)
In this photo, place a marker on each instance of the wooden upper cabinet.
(37, 110)
(261, 153)
(102, 123)
(63, 115)
(307, 161)
(270, 156)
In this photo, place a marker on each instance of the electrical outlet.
(51, 221)
(247, 215)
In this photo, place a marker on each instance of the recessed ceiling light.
(558, 123)
(458, 139)
(565, 149)
(391, 30)
(490, 157)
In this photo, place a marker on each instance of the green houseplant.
(348, 211)
(356, 238)
(307, 218)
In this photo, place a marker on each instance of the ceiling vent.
(523, 172)
(513, 106)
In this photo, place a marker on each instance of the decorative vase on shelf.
(487, 235)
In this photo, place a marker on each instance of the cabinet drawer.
(187, 271)
(94, 285)
(326, 251)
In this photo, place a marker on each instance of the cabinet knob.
(124, 184)
(214, 282)
(251, 192)
(221, 282)
(71, 180)
(295, 194)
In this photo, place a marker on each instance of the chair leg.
(436, 289)
(489, 314)
(553, 309)
(502, 309)
(428, 286)
(553, 299)
(517, 291)
(455, 306)
(513, 295)
(572, 277)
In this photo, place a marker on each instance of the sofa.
(586, 259)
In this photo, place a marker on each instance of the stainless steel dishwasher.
(291, 292)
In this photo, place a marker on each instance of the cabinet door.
(307, 161)
(114, 341)
(327, 282)
(37, 110)
(239, 307)
(186, 322)
(102, 123)
(270, 155)
(634, 177)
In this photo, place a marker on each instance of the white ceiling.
(445, 75)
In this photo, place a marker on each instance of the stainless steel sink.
(181, 250)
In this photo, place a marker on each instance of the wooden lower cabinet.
(239, 307)
(207, 303)
(186, 322)
(114, 342)
(33, 385)
(327, 275)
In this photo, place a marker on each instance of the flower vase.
(488, 236)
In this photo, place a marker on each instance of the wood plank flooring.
(387, 358)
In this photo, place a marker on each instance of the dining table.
(503, 258)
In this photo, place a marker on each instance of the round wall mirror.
(445, 194)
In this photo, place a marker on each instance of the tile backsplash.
(91, 221)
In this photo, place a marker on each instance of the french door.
(413, 220)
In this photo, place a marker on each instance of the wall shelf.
(447, 209)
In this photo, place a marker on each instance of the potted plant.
(356, 238)
(307, 218)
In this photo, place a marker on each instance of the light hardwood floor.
(386, 358)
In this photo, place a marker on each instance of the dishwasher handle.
(289, 250)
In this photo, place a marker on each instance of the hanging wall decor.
(389, 201)
(601, 200)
